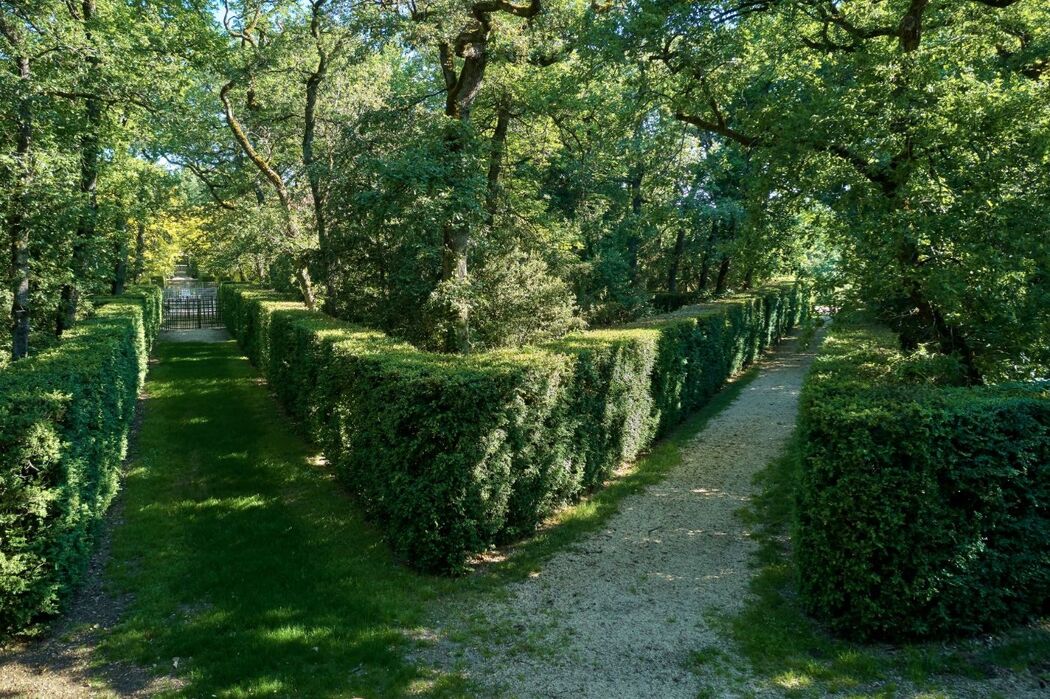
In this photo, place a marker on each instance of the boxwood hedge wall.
(64, 420)
(451, 454)
(924, 507)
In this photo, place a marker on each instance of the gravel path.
(621, 613)
(200, 335)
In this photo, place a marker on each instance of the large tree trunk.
(89, 147)
(705, 273)
(313, 173)
(462, 89)
(723, 275)
(455, 248)
(676, 260)
(499, 147)
(291, 229)
(17, 226)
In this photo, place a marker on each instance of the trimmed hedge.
(64, 419)
(450, 454)
(924, 508)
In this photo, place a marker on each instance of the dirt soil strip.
(619, 614)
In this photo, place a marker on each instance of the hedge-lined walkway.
(239, 565)
(621, 613)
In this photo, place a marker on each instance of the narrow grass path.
(237, 567)
(249, 572)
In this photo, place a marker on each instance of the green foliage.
(922, 505)
(516, 301)
(64, 419)
(451, 454)
(918, 133)
(665, 302)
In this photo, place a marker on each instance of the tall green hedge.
(64, 421)
(451, 454)
(924, 507)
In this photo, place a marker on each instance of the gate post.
(199, 323)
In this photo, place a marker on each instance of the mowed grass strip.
(250, 571)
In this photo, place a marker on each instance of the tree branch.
(719, 128)
(246, 145)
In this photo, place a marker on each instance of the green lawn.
(246, 561)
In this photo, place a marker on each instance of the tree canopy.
(475, 174)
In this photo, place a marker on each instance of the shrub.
(666, 301)
(64, 420)
(923, 507)
(450, 454)
(518, 302)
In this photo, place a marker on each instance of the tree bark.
(723, 275)
(462, 89)
(291, 229)
(89, 147)
(705, 273)
(17, 226)
(455, 239)
(499, 147)
(676, 259)
(313, 174)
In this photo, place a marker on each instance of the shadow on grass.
(252, 573)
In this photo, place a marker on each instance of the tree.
(17, 225)
(866, 106)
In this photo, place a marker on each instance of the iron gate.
(191, 311)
